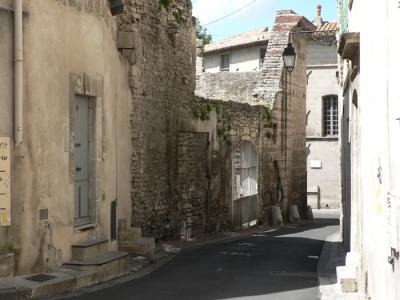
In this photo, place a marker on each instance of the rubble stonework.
(161, 77)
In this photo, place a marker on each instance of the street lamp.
(289, 61)
(289, 58)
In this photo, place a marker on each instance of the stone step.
(106, 266)
(89, 249)
(347, 279)
(129, 235)
(142, 246)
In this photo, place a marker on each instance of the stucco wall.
(82, 43)
(245, 59)
(323, 184)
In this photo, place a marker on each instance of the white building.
(369, 43)
(323, 160)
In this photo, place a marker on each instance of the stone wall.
(236, 86)
(193, 180)
(162, 79)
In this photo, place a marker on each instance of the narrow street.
(277, 264)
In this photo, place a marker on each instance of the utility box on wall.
(5, 181)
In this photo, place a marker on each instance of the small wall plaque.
(5, 181)
(316, 164)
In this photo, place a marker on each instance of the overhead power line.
(230, 14)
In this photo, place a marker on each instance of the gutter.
(18, 72)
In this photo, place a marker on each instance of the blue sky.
(258, 14)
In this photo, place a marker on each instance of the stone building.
(115, 142)
(368, 73)
(323, 160)
(68, 163)
(245, 74)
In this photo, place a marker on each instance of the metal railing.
(245, 212)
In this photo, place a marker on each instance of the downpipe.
(18, 72)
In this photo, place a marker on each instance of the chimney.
(319, 8)
(318, 19)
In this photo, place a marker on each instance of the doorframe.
(92, 88)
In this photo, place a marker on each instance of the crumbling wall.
(161, 75)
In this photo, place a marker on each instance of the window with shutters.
(330, 115)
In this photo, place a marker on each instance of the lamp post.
(289, 58)
(289, 61)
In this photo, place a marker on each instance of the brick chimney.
(285, 19)
(318, 19)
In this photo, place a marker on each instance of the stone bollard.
(309, 214)
(294, 216)
(276, 216)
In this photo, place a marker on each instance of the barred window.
(330, 115)
(245, 168)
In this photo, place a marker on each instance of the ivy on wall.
(202, 111)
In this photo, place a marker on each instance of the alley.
(278, 264)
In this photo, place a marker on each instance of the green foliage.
(202, 111)
(166, 3)
(268, 124)
(202, 34)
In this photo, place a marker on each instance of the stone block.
(126, 40)
(142, 247)
(276, 216)
(7, 263)
(130, 55)
(294, 216)
(309, 213)
(89, 249)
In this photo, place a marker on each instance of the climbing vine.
(165, 3)
(268, 123)
(202, 112)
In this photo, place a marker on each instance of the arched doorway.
(245, 185)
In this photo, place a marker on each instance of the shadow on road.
(279, 264)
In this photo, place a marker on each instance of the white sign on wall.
(316, 164)
(5, 181)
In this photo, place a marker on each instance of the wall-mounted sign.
(5, 181)
(316, 164)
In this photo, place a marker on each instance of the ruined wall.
(161, 77)
(237, 86)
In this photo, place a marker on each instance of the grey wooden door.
(81, 161)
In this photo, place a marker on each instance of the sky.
(259, 14)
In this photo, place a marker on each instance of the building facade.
(323, 160)
(69, 165)
(368, 81)
(247, 71)
(116, 143)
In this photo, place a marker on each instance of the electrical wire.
(230, 14)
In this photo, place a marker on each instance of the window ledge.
(322, 138)
(85, 227)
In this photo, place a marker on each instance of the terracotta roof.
(328, 26)
(259, 36)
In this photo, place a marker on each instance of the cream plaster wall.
(245, 59)
(59, 41)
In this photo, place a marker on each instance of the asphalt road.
(278, 265)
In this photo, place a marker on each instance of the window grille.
(248, 170)
(330, 115)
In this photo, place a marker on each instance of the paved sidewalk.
(332, 255)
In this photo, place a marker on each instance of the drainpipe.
(18, 71)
